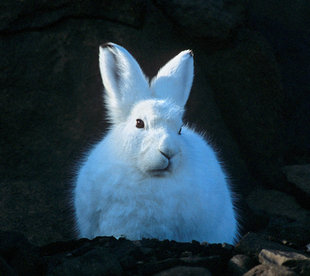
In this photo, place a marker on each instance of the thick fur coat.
(151, 176)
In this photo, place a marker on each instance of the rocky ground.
(255, 254)
(250, 93)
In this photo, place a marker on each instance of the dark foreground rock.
(300, 176)
(109, 256)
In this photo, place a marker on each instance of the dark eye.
(140, 123)
(180, 130)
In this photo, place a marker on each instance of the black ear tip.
(107, 45)
(191, 53)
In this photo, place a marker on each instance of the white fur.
(126, 186)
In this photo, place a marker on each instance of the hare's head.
(146, 117)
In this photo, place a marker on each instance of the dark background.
(251, 94)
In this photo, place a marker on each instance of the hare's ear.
(123, 79)
(174, 80)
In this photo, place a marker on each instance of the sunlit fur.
(126, 186)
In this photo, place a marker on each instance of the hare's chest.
(148, 200)
(162, 213)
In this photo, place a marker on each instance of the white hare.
(151, 176)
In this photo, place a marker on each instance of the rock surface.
(247, 96)
(17, 16)
(109, 256)
(185, 270)
(280, 257)
(300, 176)
(287, 220)
(240, 264)
(252, 244)
(211, 18)
(270, 270)
(286, 26)
(276, 203)
(275, 262)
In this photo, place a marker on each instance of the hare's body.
(149, 179)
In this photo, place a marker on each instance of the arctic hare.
(151, 176)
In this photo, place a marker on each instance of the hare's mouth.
(161, 172)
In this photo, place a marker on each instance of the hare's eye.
(140, 123)
(180, 130)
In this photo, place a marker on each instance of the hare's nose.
(168, 156)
